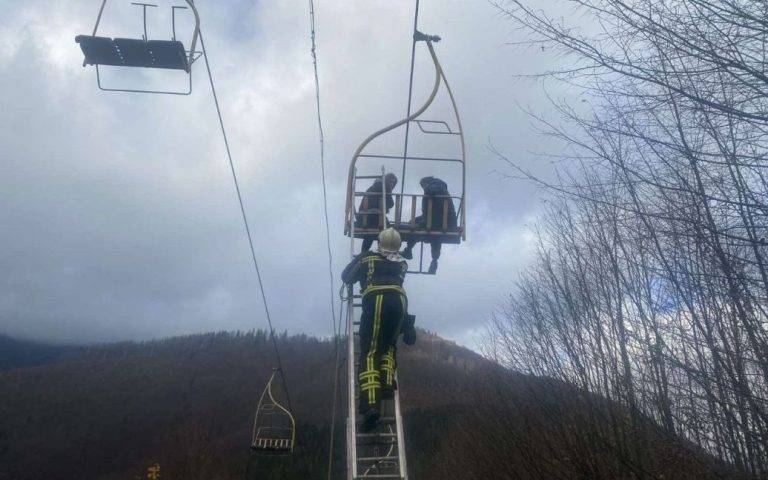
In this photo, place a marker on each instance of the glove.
(409, 329)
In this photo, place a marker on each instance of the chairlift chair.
(141, 52)
(447, 230)
(274, 428)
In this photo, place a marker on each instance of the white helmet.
(389, 241)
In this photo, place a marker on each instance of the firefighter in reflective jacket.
(385, 307)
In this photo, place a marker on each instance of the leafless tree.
(650, 282)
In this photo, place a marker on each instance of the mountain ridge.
(109, 412)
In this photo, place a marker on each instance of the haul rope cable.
(322, 158)
(245, 223)
(410, 98)
(336, 326)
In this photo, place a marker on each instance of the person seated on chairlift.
(384, 317)
(436, 191)
(373, 202)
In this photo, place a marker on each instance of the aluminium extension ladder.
(379, 454)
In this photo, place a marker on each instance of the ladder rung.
(371, 442)
(367, 177)
(377, 435)
(392, 476)
(376, 459)
(357, 305)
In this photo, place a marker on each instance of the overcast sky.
(119, 217)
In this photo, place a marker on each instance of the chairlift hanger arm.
(459, 132)
(371, 137)
(423, 37)
(463, 204)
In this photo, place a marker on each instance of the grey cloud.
(119, 218)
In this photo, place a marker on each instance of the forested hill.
(186, 404)
(20, 353)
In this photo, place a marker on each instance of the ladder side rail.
(400, 435)
(352, 379)
(351, 408)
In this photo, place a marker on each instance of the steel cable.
(245, 223)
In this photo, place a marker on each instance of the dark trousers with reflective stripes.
(380, 324)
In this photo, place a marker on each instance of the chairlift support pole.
(410, 95)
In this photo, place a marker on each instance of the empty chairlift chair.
(141, 52)
(274, 429)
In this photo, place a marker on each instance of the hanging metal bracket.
(423, 37)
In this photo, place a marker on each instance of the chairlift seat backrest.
(168, 54)
(131, 52)
(134, 52)
(98, 50)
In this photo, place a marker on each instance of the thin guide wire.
(245, 223)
